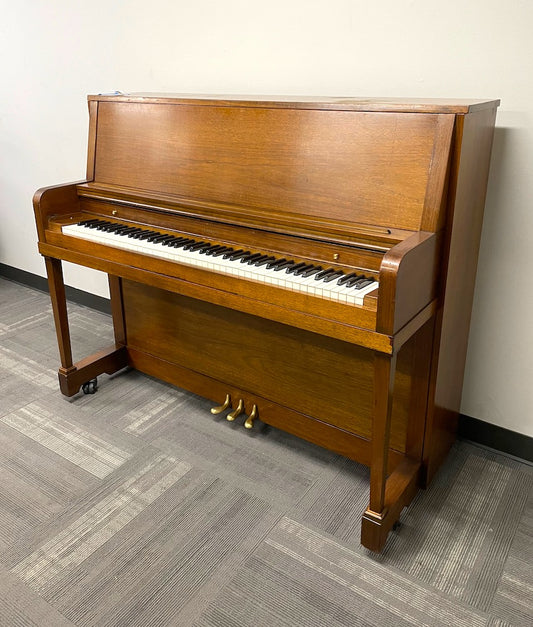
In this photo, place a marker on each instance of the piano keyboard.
(309, 278)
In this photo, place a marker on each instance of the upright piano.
(307, 263)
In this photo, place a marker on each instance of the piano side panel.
(326, 379)
(468, 185)
(284, 161)
(91, 149)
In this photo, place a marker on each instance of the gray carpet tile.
(20, 606)
(301, 577)
(136, 506)
(514, 595)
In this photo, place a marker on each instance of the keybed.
(319, 280)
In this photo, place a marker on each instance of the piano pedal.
(249, 422)
(90, 387)
(236, 412)
(223, 407)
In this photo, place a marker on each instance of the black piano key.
(126, 231)
(116, 228)
(304, 267)
(205, 248)
(195, 246)
(177, 241)
(92, 224)
(324, 274)
(275, 263)
(103, 225)
(251, 262)
(250, 258)
(333, 276)
(88, 222)
(297, 266)
(312, 270)
(262, 262)
(213, 249)
(135, 232)
(187, 241)
(360, 286)
(232, 252)
(144, 234)
(155, 237)
(344, 279)
(355, 281)
(237, 255)
(285, 264)
(259, 259)
(160, 239)
(171, 241)
(168, 240)
(148, 234)
(225, 250)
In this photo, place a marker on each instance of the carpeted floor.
(137, 507)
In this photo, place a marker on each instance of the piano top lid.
(399, 105)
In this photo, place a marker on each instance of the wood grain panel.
(289, 161)
(309, 373)
(468, 187)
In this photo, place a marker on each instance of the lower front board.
(303, 372)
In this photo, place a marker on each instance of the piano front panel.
(321, 378)
(288, 162)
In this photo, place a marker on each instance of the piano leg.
(388, 495)
(59, 307)
(73, 376)
(117, 308)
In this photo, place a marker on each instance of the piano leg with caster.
(83, 373)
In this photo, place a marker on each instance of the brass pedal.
(224, 406)
(249, 422)
(236, 412)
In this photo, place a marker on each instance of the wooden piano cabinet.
(394, 189)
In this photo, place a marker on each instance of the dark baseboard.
(40, 283)
(478, 431)
(495, 437)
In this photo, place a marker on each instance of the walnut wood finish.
(391, 188)
(247, 157)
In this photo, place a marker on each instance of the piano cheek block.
(319, 274)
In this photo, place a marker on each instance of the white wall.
(54, 52)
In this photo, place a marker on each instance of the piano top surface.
(404, 105)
